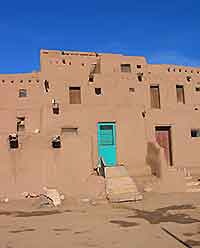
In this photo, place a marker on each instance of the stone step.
(125, 197)
(119, 186)
(117, 171)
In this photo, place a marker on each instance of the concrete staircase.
(120, 187)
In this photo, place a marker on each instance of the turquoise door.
(107, 142)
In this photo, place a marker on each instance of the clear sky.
(164, 31)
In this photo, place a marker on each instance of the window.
(22, 93)
(139, 66)
(195, 132)
(197, 88)
(91, 78)
(63, 61)
(74, 95)
(20, 124)
(106, 135)
(98, 91)
(131, 90)
(125, 68)
(189, 78)
(155, 96)
(46, 86)
(140, 77)
(69, 131)
(180, 94)
(55, 107)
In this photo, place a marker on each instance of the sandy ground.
(25, 224)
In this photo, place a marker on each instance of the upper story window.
(22, 92)
(155, 96)
(180, 94)
(74, 95)
(197, 88)
(125, 68)
(98, 91)
(46, 86)
(20, 123)
(195, 132)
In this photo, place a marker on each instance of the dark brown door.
(163, 138)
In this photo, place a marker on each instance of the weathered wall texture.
(36, 164)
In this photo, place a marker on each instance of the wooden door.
(163, 138)
(107, 142)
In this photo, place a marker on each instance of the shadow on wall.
(153, 158)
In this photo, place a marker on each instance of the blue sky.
(163, 31)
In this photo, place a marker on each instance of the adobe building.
(57, 123)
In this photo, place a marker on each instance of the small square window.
(98, 91)
(132, 90)
(91, 78)
(189, 78)
(22, 93)
(195, 132)
(125, 68)
(139, 66)
(197, 88)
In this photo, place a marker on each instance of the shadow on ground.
(163, 215)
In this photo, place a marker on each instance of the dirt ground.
(27, 224)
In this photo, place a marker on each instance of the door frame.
(111, 123)
(169, 129)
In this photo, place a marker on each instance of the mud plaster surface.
(102, 225)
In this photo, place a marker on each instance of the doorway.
(107, 142)
(163, 138)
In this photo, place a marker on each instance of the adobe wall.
(36, 164)
(181, 117)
